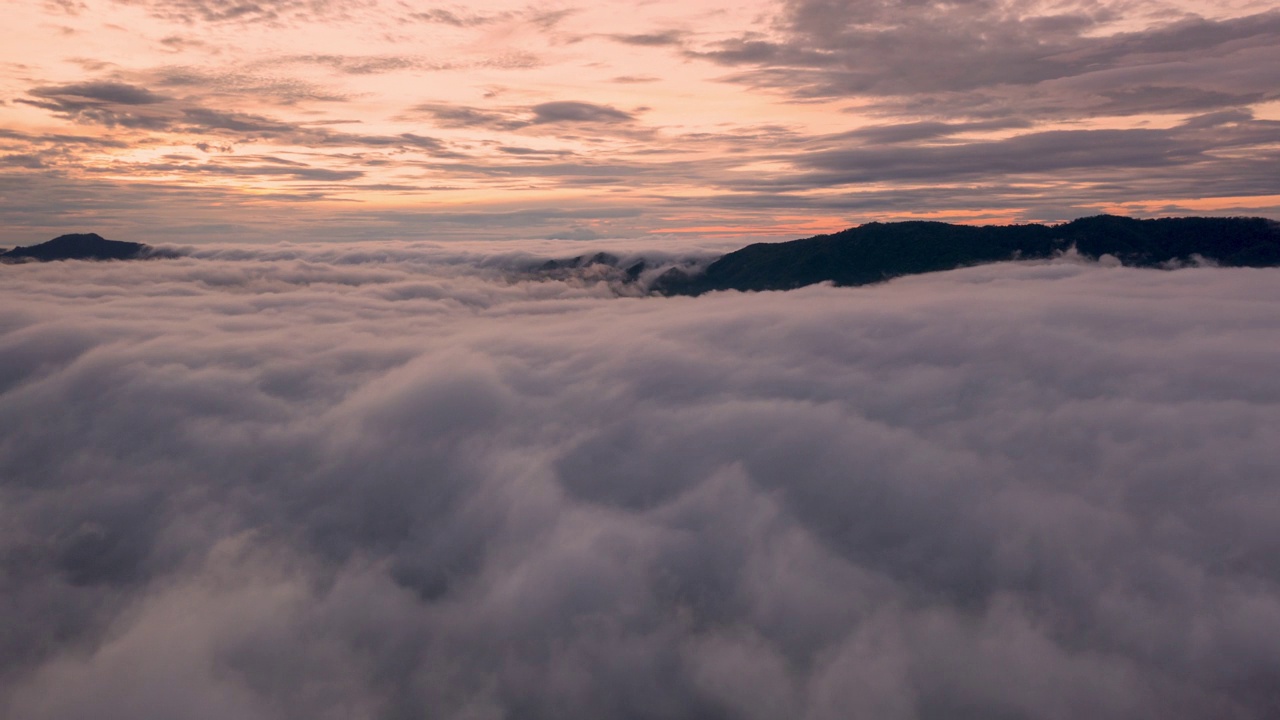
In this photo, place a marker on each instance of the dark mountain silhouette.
(632, 271)
(81, 246)
(879, 251)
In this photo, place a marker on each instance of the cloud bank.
(400, 481)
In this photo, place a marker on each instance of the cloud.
(29, 161)
(510, 119)
(67, 7)
(100, 92)
(654, 39)
(191, 12)
(298, 171)
(61, 139)
(178, 43)
(915, 131)
(514, 150)
(206, 119)
(1083, 163)
(106, 103)
(251, 83)
(461, 116)
(450, 17)
(980, 51)
(360, 64)
(572, 111)
(549, 19)
(122, 105)
(534, 15)
(392, 479)
(1046, 151)
(1218, 118)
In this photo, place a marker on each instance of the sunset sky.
(199, 120)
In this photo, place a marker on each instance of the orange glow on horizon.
(1212, 204)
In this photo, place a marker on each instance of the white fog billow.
(275, 484)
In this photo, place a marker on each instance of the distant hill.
(631, 272)
(879, 251)
(80, 246)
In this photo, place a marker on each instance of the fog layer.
(300, 483)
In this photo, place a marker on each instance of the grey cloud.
(393, 479)
(178, 43)
(508, 119)
(512, 150)
(665, 37)
(544, 19)
(233, 83)
(913, 131)
(241, 11)
(100, 92)
(1218, 118)
(413, 140)
(61, 139)
(510, 220)
(68, 7)
(461, 116)
(588, 170)
(548, 19)
(275, 169)
(107, 103)
(1030, 194)
(118, 104)
(359, 64)
(249, 125)
(29, 161)
(1157, 99)
(571, 111)
(449, 17)
(319, 138)
(1031, 152)
(102, 114)
(210, 147)
(574, 234)
(238, 122)
(424, 143)
(511, 61)
(1128, 163)
(884, 49)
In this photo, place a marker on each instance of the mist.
(413, 481)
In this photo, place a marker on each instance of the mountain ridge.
(80, 246)
(877, 251)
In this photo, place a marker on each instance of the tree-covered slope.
(879, 251)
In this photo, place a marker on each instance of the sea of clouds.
(408, 481)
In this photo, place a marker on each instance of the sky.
(402, 480)
(220, 120)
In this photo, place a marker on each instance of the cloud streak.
(839, 48)
(271, 12)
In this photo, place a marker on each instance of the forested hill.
(879, 251)
(78, 246)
